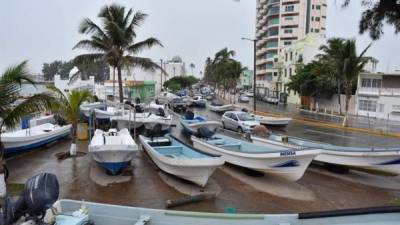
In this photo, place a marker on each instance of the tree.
(192, 66)
(10, 86)
(49, 70)
(313, 79)
(179, 82)
(332, 57)
(377, 12)
(68, 107)
(352, 66)
(114, 41)
(99, 69)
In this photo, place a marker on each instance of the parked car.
(177, 105)
(243, 98)
(239, 121)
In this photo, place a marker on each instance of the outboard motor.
(137, 100)
(245, 110)
(161, 112)
(189, 115)
(138, 108)
(156, 131)
(157, 101)
(39, 194)
(204, 132)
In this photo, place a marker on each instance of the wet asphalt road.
(146, 189)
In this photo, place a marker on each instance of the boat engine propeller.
(39, 194)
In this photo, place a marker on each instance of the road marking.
(329, 134)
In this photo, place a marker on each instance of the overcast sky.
(46, 30)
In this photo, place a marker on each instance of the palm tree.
(10, 86)
(333, 58)
(352, 66)
(114, 41)
(68, 108)
(192, 66)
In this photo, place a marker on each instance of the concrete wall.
(332, 104)
(391, 81)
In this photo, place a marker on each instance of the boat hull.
(197, 172)
(191, 129)
(384, 161)
(273, 121)
(15, 145)
(105, 214)
(289, 166)
(221, 109)
(112, 160)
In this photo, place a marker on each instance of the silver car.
(239, 121)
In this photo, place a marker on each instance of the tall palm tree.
(10, 86)
(192, 66)
(332, 57)
(68, 107)
(352, 66)
(114, 41)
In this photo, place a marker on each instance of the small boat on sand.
(273, 121)
(379, 159)
(192, 123)
(100, 109)
(220, 107)
(180, 160)
(25, 139)
(285, 162)
(105, 214)
(113, 150)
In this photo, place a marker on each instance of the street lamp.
(254, 71)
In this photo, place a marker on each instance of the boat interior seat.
(169, 150)
(161, 143)
(235, 147)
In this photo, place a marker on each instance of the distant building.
(378, 95)
(73, 82)
(175, 67)
(280, 23)
(246, 79)
(291, 56)
(370, 65)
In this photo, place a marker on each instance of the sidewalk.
(355, 123)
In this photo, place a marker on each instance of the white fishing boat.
(129, 119)
(220, 107)
(273, 121)
(273, 159)
(152, 120)
(25, 139)
(191, 124)
(113, 150)
(378, 159)
(72, 212)
(100, 109)
(180, 160)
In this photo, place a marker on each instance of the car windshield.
(245, 117)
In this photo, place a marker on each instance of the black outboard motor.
(137, 100)
(245, 110)
(204, 132)
(138, 108)
(156, 131)
(39, 194)
(189, 115)
(161, 112)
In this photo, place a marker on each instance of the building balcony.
(379, 91)
(272, 2)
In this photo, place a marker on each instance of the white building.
(299, 52)
(378, 95)
(73, 82)
(280, 23)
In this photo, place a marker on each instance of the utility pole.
(254, 71)
(161, 66)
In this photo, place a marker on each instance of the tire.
(240, 130)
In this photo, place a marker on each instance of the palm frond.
(90, 57)
(35, 103)
(142, 45)
(143, 63)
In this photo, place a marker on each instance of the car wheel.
(240, 130)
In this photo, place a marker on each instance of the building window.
(289, 8)
(286, 57)
(290, 72)
(312, 30)
(317, 19)
(316, 30)
(381, 108)
(318, 7)
(275, 74)
(285, 72)
(371, 83)
(291, 56)
(288, 31)
(367, 105)
(312, 6)
(289, 18)
(287, 43)
(312, 18)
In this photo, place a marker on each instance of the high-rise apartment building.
(279, 23)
